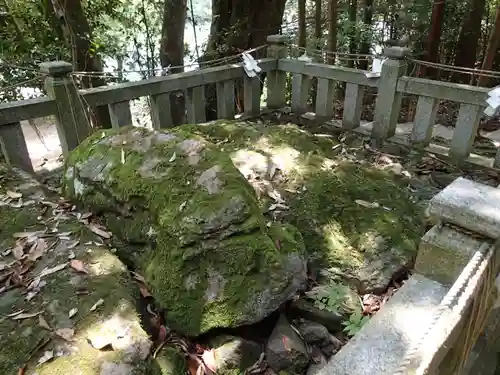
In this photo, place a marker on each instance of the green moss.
(165, 208)
(107, 280)
(170, 361)
(336, 230)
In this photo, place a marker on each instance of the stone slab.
(470, 205)
(444, 252)
(380, 346)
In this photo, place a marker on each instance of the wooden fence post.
(72, 121)
(276, 79)
(388, 103)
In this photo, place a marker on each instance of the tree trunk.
(302, 23)
(332, 31)
(172, 50)
(353, 7)
(469, 38)
(76, 27)
(366, 41)
(239, 25)
(433, 38)
(492, 49)
(318, 25)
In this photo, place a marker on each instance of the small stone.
(285, 349)
(303, 308)
(314, 333)
(317, 366)
(333, 347)
(234, 353)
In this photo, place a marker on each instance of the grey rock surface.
(285, 349)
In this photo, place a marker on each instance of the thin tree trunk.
(366, 42)
(318, 25)
(469, 38)
(76, 27)
(492, 49)
(332, 31)
(302, 23)
(353, 7)
(434, 37)
(172, 50)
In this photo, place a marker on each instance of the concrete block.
(470, 205)
(444, 252)
(382, 343)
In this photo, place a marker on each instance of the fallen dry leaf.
(97, 304)
(78, 266)
(43, 323)
(14, 194)
(72, 312)
(208, 357)
(25, 234)
(31, 295)
(47, 356)
(15, 313)
(65, 333)
(144, 291)
(367, 204)
(37, 250)
(26, 315)
(278, 206)
(138, 277)
(73, 244)
(172, 158)
(48, 271)
(18, 252)
(101, 233)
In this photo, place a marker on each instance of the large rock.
(357, 220)
(55, 318)
(202, 243)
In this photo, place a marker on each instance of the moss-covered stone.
(234, 355)
(170, 361)
(207, 253)
(25, 341)
(357, 220)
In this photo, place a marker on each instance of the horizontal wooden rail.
(12, 112)
(21, 110)
(336, 73)
(175, 82)
(444, 90)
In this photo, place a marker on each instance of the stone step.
(379, 347)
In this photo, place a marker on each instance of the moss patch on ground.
(24, 341)
(349, 212)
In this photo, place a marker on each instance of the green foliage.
(331, 297)
(355, 323)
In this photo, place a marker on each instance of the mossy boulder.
(46, 306)
(190, 224)
(360, 223)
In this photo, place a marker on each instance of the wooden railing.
(70, 106)
(391, 86)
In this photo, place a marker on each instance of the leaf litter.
(29, 248)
